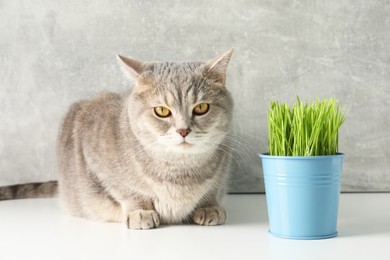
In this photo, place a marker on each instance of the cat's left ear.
(132, 68)
(216, 68)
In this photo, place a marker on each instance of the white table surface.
(38, 229)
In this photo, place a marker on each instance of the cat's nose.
(183, 132)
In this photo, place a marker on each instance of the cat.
(157, 154)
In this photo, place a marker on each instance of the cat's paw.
(143, 219)
(209, 216)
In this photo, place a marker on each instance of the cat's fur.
(118, 161)
(29, 190)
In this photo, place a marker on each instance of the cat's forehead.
(173, 71)
(178, 93)
(177, 84)
(173, 79)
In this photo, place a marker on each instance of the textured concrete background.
(53, 53)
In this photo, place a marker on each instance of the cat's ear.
(216, 68)
(132, 68)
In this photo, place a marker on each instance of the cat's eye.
(162, 111)
(201, 109)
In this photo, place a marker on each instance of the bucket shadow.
(363, 225)
(368, 216)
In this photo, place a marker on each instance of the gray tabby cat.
(157, 155)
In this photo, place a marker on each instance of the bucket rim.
(287, 236)
(316, 157)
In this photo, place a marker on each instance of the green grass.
(305, 129)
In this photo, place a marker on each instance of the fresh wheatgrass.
(305, 129)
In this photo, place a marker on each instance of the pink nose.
(183, 132)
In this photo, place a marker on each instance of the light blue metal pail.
(302, 195)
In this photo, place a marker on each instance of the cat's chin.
(186, 148)
(185, 145)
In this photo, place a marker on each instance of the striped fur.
(29, 190)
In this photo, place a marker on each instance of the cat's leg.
(103, 209)
(98, 205)
(209, 214)
(85, 196)
(87, 203)
(139, 214)
(133, 211)
(108, 204)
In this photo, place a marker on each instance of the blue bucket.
(302, 195)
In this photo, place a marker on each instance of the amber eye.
(201, 109)
(162, 111)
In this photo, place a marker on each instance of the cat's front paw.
(143, 219)
(209, 216)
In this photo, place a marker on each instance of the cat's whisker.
(235, 151)
(237, 162)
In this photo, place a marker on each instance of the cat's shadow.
(246, 209)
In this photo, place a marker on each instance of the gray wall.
(53, 53)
